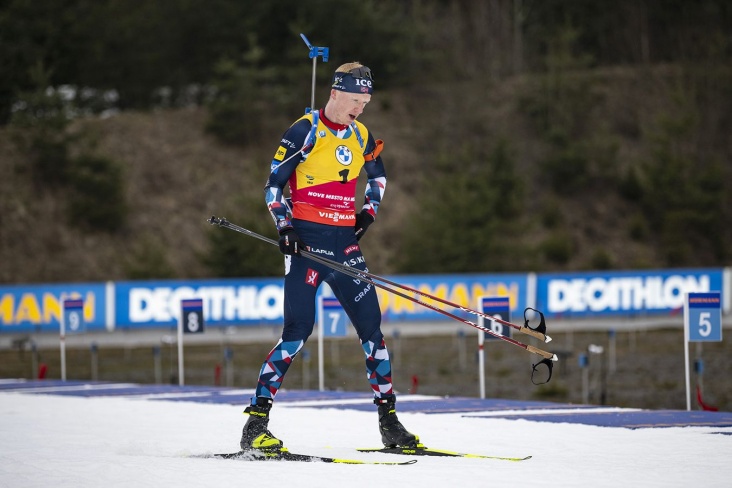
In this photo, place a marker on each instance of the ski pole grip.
(533, 333)
(542, 353)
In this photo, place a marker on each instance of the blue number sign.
(192, 316)
(703, 317)
(74, 316)
(333, 318)
(498, 307)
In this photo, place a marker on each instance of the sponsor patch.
(311, 278)
(343, 155)
(280, 154)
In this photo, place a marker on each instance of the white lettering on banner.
(623, 293)
(162, 304)
(154, 304)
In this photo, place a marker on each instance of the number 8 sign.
(192, 316)
(703, 317)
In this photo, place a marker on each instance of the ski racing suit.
(321, 162)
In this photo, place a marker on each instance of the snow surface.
(129, 441)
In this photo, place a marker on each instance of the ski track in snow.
(72, 441)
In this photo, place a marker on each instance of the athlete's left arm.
(376, 174)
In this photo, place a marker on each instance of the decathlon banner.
(462, 290)
(225, 302)
(622, 292)
(39, 308)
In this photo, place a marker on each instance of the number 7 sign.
(333, 319)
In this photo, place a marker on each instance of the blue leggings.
(358, 298)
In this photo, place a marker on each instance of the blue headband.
(357, 80)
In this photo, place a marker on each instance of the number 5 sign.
(702, 323)
(703, 317)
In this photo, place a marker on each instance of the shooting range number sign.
(498, 307)
(74, 315)
(703, 317)
(192, 316)
(333, 319)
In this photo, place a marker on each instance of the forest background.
(520, 135)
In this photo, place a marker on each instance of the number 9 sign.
(74, 315)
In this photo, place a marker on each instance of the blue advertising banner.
(463, 290)
(259, 301)
(627, 293)
(225, 302)
(39, 308)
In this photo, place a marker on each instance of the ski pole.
(548, 356)
(539, 332)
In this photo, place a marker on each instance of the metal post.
(305, 368)
(321, 365)
(157, 365)
(34, 360)
(462, 353)
(611, 352)
(583, 364)
(62, 340)
(229, 364)
(94, 362)
(181, 381)
(481, 363)
(314, 52)
(312, 90)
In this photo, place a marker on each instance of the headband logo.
(358, 80)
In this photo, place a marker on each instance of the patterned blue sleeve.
(283, 165)
(376, 184)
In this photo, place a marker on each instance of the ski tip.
(555, 358)
(547, 339)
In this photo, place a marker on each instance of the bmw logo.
(343, 155)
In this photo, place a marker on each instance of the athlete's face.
(346, 107)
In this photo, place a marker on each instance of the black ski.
(426, 451)
(285, 455)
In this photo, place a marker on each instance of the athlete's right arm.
(286, 159)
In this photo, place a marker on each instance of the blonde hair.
(345, 68)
